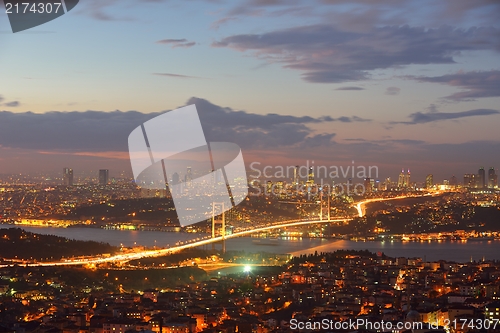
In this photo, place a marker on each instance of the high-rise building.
(368, 185)
(481, 178)
(470, 180)
(103, 177)
(474, 180)
(388, 184)
(310, 176)
(68, 176)
(492, 178)
(453, 181)
(467, 179)
(429, 181)
(401, 179)
(188, 178)
(176, 180)
(296, 175)
(404, 179)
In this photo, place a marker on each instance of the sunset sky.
(399, 84)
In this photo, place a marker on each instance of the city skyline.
(251, 166)
(413, 85)
(295, 177)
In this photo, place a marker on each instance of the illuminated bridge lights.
(124, 257)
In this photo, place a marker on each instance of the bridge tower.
(223, 225)
(322, 205)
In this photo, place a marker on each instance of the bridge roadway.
(124, 257)
(165, 251)
(360, 206)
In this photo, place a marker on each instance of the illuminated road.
(360, 206)
(124, 257)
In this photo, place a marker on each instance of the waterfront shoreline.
(432, 250)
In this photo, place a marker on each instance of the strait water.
(449, 250)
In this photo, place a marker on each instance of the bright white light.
(247, 269)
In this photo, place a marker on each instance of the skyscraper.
(481, 178)
(401, 179)
(68, 176)
(470, 180)
(404, 179)
(429, 181)
(368, 185)
(310, 176)
(296, 175)
(453, 181)
(103, 177)
(387, 184)
(189, 174)
(492, 178)
(467, 180)
(176, 179)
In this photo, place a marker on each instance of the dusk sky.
(397, 84)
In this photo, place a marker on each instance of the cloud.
(177, 43)
(250, 7)
(179, 76)
(255, 131)
(94, 139)
(362, 15)
(70, 131)
(432, 108)
(97, 10)
(327, 54)
(216, 25)
(392, 91)
(12, 104)
(384, 141)
(347, 13)
(432, 116)
(97, 131)
(351, 119)
(350, 88)
(479, 84)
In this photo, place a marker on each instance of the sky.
(396, 84)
